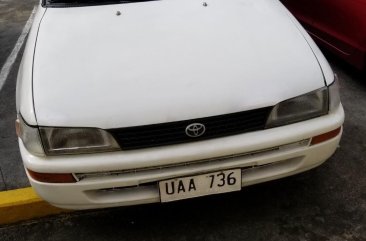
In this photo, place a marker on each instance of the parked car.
(156, 101)
(337, 25)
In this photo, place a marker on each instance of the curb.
(24, 204)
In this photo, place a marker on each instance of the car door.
(341, 24)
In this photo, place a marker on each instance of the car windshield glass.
(78, 3)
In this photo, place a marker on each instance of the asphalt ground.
(13, 16)
(327, 203)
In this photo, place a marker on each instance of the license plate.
(201, 185)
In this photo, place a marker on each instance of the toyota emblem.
(195, 130)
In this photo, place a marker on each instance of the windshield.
(79, 3)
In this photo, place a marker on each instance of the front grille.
(130, 138)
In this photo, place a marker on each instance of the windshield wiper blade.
(81, 3)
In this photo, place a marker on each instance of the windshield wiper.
(81, 3)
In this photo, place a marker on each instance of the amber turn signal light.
(326, 136)
(52, 177)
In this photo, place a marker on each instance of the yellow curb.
(23, 204)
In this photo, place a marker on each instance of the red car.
(338, 25)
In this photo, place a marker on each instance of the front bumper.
(131, 177)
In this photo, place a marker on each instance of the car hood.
(168, 60)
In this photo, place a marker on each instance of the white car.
(154, 101)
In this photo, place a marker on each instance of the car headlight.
(305, 107)
(56, 141)
(76, 140)
(30, 137)
(334, 97)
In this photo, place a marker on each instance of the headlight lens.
(30, 137)
(76, 140)
(300, 108)
(334, 97)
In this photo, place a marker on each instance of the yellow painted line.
(24, 204)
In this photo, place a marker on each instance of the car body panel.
(263, 156)
(24, 93)
(338, 25)
(96, 69)
(326, 69)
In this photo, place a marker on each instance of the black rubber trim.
(86, 3)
